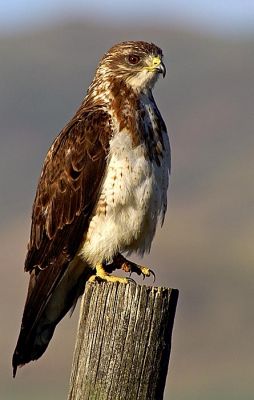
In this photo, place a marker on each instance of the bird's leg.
(103, 275)
(120, 262)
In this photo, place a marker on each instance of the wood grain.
(123, 342)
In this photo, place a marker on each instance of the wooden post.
(123, 342)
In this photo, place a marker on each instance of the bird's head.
(138, 64)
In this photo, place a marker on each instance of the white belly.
(133, 196)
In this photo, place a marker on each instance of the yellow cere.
(155, 62)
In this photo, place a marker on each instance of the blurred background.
(48, 53)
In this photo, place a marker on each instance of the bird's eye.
(133, 59)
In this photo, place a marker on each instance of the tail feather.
(31, 347)
(39, 322)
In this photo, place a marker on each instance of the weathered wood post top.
(123, 342)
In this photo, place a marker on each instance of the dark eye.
(133, 59)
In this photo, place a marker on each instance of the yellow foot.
(102, 275)
(120, 262)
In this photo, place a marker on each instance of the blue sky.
(215, 15)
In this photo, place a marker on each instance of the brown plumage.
(69, 193)
(66, 194)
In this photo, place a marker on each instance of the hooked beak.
(162, 69)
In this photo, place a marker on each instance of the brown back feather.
(68, 189)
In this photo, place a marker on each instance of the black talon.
(130, 280)
(154, 277)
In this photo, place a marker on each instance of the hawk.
(102, 191)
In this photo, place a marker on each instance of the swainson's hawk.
(102, 190)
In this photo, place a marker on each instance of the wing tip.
(14, 371)
(15, 364)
